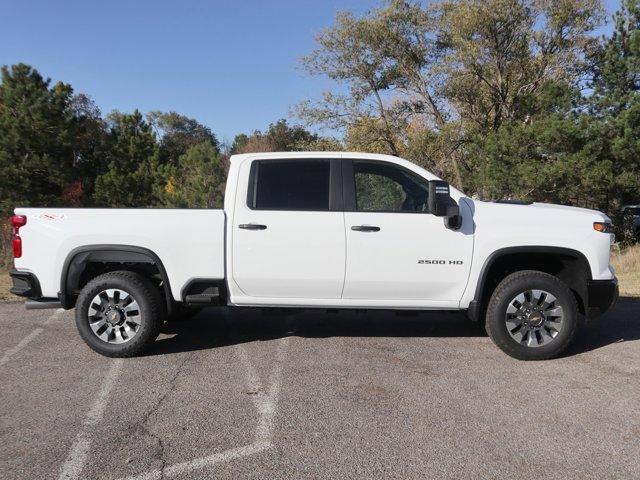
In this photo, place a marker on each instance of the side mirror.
(439, 199)
(441, 204)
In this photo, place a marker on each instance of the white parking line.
(27, 340)
(266, 403)
(269, 403)
(77, 458)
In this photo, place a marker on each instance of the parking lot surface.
(253, 394)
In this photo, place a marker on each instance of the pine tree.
(36, 138)
(132, 151)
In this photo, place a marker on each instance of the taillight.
(16, 241)
(17, 221)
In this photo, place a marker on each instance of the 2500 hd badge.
(440, 262)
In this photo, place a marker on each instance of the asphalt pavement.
(273, 394)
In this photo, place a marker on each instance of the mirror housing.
(439, 201)
(441, 204)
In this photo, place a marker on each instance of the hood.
(542, 211)
(553, 219)
(553, 208)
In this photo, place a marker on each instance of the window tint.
(383, 187)
(291, 185)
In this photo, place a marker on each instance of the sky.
(232, 65)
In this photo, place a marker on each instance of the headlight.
(603, 227)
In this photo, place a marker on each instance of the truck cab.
(352, 231)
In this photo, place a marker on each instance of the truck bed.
(189, 243)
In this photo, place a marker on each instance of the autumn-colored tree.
(279, 137)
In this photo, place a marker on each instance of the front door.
(288, 230)
(396, 249)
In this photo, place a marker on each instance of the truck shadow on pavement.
(219, 327)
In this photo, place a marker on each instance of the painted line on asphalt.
(77, 457)
(269, 403)
(29, 338)
(266, 404)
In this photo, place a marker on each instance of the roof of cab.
(342, 155)
(293, 155)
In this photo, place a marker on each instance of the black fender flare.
(475, 306)
(76, 260)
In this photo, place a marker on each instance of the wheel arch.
(569, 265)
(77, 260)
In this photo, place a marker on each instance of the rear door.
(288, 238)
(396, 250)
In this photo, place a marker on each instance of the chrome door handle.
(365, 228)
(252, 226)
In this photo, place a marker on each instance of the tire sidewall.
(148, 313)
(497, 328)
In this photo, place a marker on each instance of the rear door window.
(290, 185)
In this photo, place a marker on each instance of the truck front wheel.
(532, 315)
(119, 314)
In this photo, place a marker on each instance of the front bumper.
(601, 296)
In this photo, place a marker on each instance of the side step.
(203, 299)
(204, 292)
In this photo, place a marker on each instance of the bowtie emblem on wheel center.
(536, 319)
(113, 317)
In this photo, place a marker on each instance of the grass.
(627, 265)
(5, 285)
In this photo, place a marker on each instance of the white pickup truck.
(321, 230)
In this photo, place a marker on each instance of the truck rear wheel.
(532, 316)
(119, 314)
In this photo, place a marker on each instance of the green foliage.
(617, 62)
(132, 155)
(178, 134)
(198, 181)
(36, 138)
(499, 52)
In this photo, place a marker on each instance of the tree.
(350, 52)
(616, 105)
(177, 134)
(616, 79)
(90, 149)
(132, 160)
(36, 138)
(430, 83)
(279, 137)
(198, 181)
(500, 53)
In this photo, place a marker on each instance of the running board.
(42, 304)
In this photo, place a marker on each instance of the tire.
(530, 326)
(112, 327)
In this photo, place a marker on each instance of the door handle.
(252, 226)
(365, 228)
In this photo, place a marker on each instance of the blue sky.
(233, 65)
